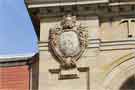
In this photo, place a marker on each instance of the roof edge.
(7, 58)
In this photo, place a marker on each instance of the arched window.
(129, 26)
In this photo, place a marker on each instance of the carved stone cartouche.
(68, 41)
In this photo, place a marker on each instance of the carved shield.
(67, 43)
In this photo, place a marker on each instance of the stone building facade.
(108, 62)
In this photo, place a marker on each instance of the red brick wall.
(14, 78)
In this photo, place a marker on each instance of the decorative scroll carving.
(68, 41)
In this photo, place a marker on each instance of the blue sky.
(17, 36)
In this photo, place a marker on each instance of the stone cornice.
(117, 45)
(37, 4)
(57, 3)
(112, 9)
(101, 45)
(122, 3)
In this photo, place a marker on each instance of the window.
(129, 25)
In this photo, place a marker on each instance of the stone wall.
(110, 51)
(107, 62)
